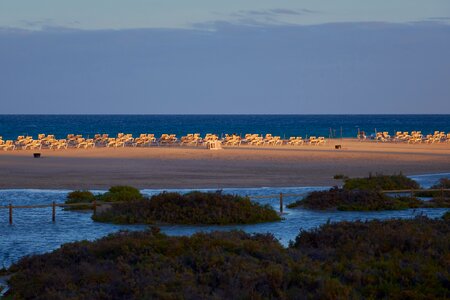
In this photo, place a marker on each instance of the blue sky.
(162, 57)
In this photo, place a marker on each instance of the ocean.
(282, 125)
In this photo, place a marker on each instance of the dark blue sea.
(283, 125)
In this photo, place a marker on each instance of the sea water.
(280, 125)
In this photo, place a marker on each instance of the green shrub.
(381, 182)
(392, 259)
(356, 200)
(191, 208)
(79, 197)
(340, 176)
(121, 193)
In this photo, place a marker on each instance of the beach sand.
(184, 167)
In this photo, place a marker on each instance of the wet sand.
(185, 167)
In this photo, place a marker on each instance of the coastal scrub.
(355, 200)
(381, 182)
(396, 259)
(190, 208)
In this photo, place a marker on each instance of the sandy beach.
(184, 167)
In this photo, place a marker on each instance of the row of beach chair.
(77, 141)
(415, 137)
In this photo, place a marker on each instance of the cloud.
(255, 18)
(47, 23)
(274, 12)
(327, 68)
(439, 18)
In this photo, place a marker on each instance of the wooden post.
(412, 194)
(94, 207)
(53, 211)
(442, 193)
(10, 214)
(281, 203)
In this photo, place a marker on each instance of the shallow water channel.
(33, 231)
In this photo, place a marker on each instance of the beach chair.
(58, 144)
(8, 145)
(141, 140)
(291, 141)
(312, 140)
(320, 141)
(295, 141)
(232, 140)
(62, 143)
(256, 141)
(267, 140)
(81, 143)
(111, 142)
(274, 141)
(36, 144)
(187, 139)
(163, 139)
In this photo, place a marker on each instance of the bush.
(395, 259)
(354, 201)
(437, 202)
(191, 208)
(340, 176)
(446, 216)
(444, 183)
(121, 193)
(381, 182)
(80, 197)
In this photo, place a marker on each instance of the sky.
(207, 56)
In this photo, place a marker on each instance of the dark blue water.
(33, 231)
(283, 125)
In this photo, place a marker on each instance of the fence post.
(53, 211)
(281, 203)
(10, 214)
(94, 207)
(442, 193)
(412, 193)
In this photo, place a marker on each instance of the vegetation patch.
(395, 259)
(81, 197)
(191, 208)
(446, 216)
(444, 183)
(357, 200)
(114, 194)
(381, 182)
(340, 176)
(121, 193)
